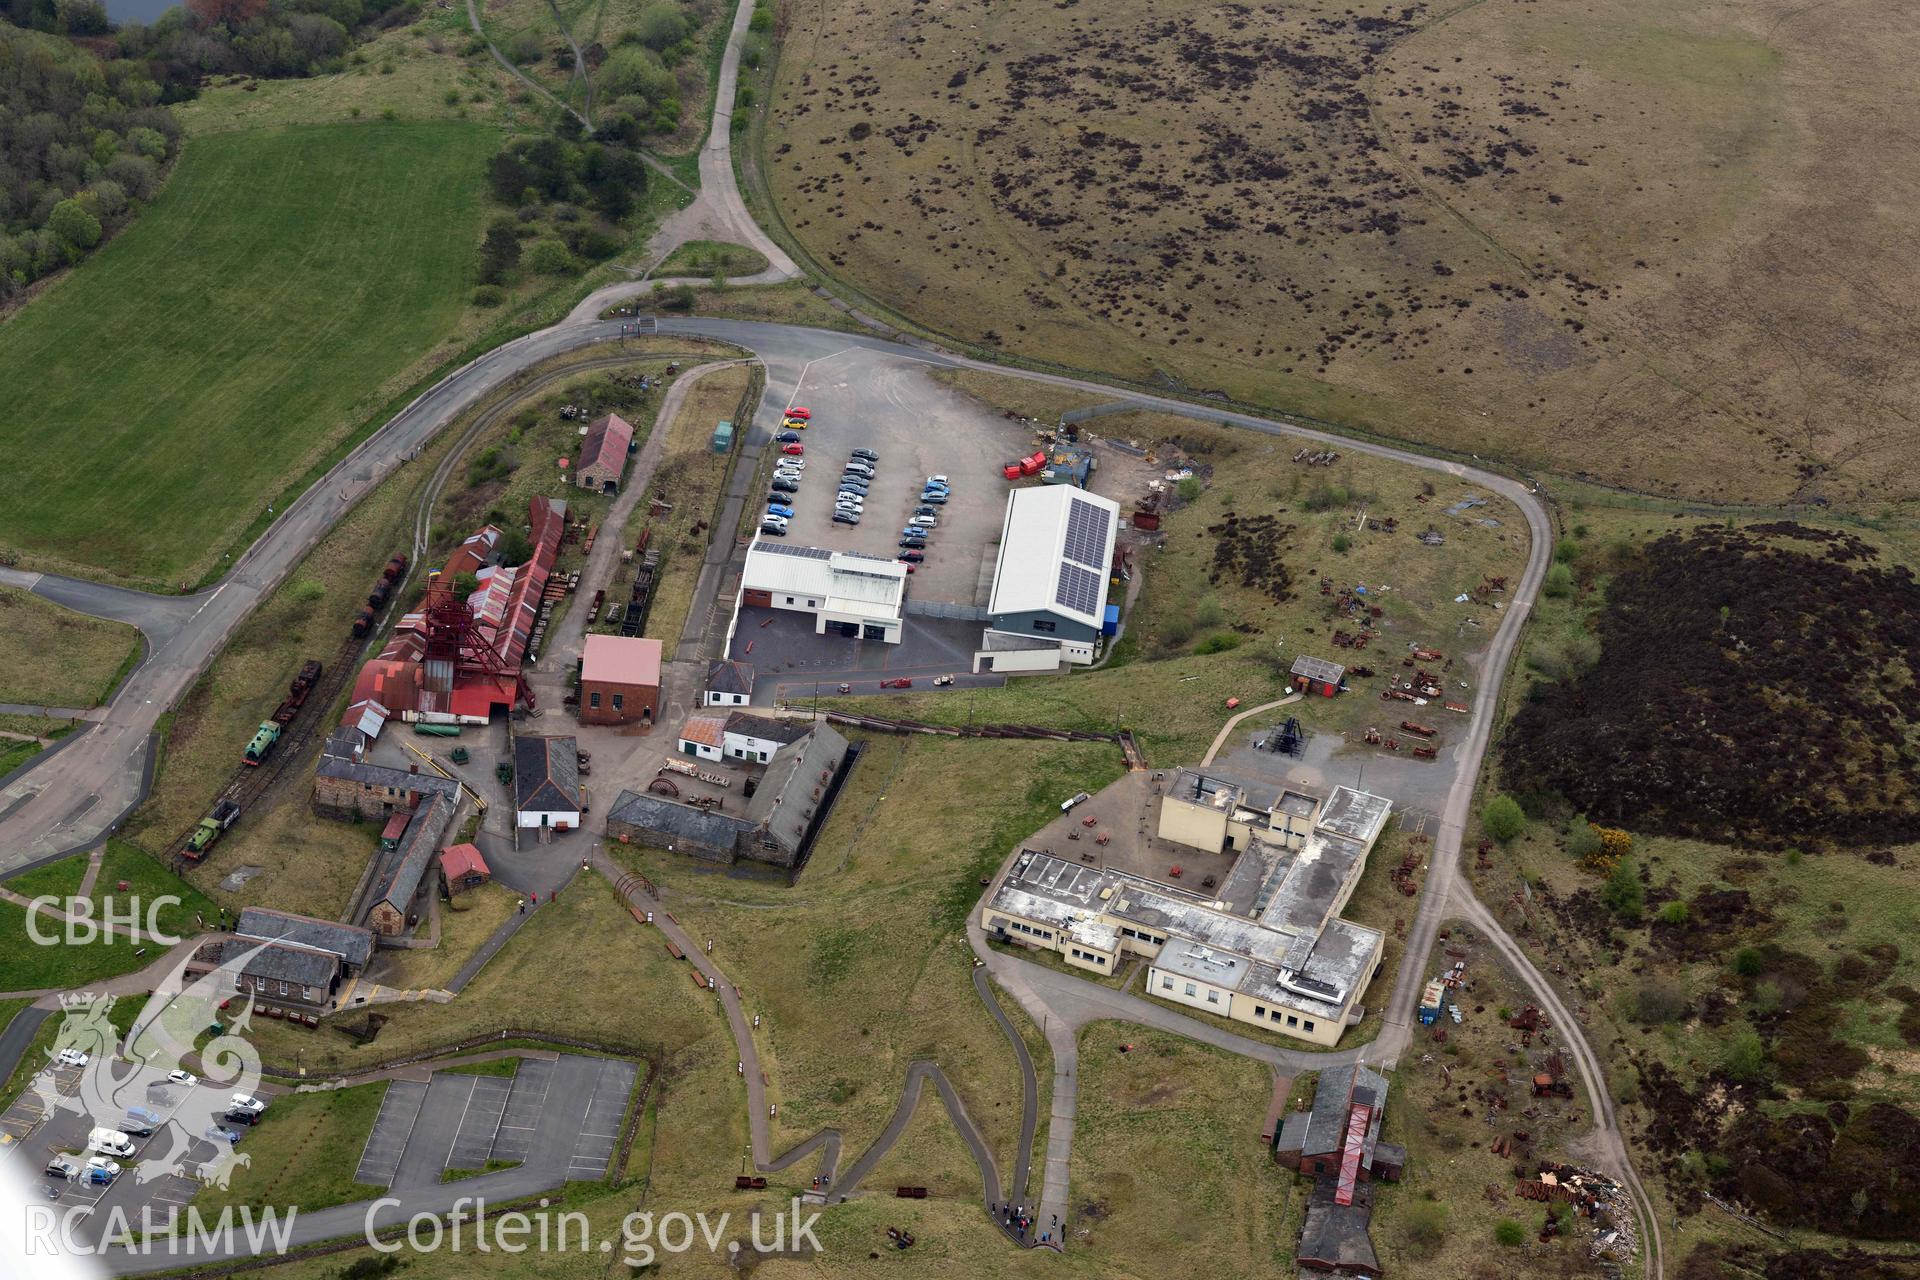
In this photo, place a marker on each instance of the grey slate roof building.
(399, 878)
(1334, 1236)
(353, 944)
(700, 833)
(726, 676)
(546, 775)
(767, 729)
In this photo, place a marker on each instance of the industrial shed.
(1050, 581)
(603, 454)
(1317, 675)
(859, 596)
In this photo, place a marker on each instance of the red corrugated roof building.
(603, 454)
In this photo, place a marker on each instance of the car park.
(912, 556)
(785, 513)
(795, 449)
(787, 437)
(845, 517)
(868, 454)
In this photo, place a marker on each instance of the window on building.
(1166, 984)
(593, 700)
(619, 701)
(1213, 997)
(1307, 1025)
(1043, 624)
(1259, 1011)
(1292, 1021)
(283, 988)
(1191, 990)
(789, 599)
(1099, 959)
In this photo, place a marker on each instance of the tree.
(1190, 488)
(1509, 1233)
(1559, 581)
(75, 223)
(550, 258)
(661, 27)
(1503, 818)
(499, 253)
(1623, 892)
(226, 13)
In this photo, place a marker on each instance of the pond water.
(138, 10)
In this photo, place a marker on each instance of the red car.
(908, 566)
(900, 682)
(801, 412)
(795, 449)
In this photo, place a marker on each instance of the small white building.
(1050, 581)
(855, 595)
(546, 780)
(757, 738)
(704, 736)
(729, 684)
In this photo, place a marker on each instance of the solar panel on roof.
(1079, 589)
(1087, 527)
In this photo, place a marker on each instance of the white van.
(109, 1142)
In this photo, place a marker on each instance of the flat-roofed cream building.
(1267, 947)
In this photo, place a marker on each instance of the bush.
(1559, 581)
(1623, 892)
(1502, 817)
(678, 298)
(1674, 913)
(488, 295)
(1659, 1000)
(661, 26)
(761, 22)
(1747, 961)
(1341, 542)
(1190, 488)
(1746, 1056)
(549, 258)
(1425, 1225)
(1509, 1233)
(1219, 642)
(1566, 551)
(1583, 841)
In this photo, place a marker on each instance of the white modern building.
(855, 595)
(1049, 598)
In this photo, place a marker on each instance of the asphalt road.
(72, 799)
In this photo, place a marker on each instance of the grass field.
(303, 1152)
(867, 949)
(692, 477)
(1496, 226)
(288, 284)
(465, 923)
(25, 967)
(706, 257)
(541, 981)
(55, 657)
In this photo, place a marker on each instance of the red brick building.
(603, 454)
(620, 680)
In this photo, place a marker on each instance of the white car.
(186, 1078)
(939, 480)
(790, 463)
(246, 1102)
(72, 1058)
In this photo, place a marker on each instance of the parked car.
(795, 449)
(913, 544)
(776, 509)
(101, 1171)
(216, 1134)
(912, 555)
(247, 1102)
(854, 464)
(924, 510)
(798, 424)
(868, 454)
(64, 1167)
(787, 437)
(853, 486)
(852, 502)
(239, 1115)
(908, 567)
(72, 1058)
(939, 480)
(186, 1078)
(782, 484)
(935, 497)
(924, 522)
(775, 525)
(800, 411)
(845, 517)
(792, 463)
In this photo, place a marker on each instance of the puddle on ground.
(238, 877)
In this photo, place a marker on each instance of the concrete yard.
(864, 399)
